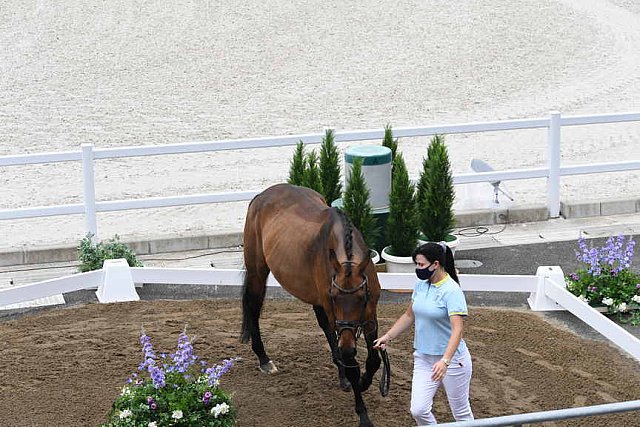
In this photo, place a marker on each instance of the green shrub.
(390, 143)
(311, 177)
(92, 255)
(357, 207)
(297, 166)
(435, 193)
(330, 168)
(402, 226)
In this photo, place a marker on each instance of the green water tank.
(376, 170)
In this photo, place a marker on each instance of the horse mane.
(348, 239)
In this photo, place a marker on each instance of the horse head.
(354, 290)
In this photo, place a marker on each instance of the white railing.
(116, 282)
(88, 154)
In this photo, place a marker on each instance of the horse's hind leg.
(323, 321)
(253, 293)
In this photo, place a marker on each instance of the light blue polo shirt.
(433, 303)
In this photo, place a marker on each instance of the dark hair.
(438, 252)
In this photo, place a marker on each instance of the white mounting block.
(117, 283)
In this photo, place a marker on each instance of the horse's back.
(285, 206)
(281, 234)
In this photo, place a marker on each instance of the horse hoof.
(365, 422)
(268, 368)
(345, 385)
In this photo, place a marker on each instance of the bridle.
(355, 326)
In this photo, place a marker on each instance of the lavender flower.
(184, 356)
(215, 372)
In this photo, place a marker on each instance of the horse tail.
(245, 333)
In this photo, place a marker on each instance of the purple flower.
(574, 276)
(215, 372)
(638, 286)
(184, 356)
(153, 406)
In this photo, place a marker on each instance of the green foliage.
(435, 193)
(311, 178)
(357, 207)
(297, 165)
(92, 255)
(606, 278)
(402, 226)
(173, 390)
(330, 168)
(389, 142)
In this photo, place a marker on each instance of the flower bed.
(173, 390)
(606, 280)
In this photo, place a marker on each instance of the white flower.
(177, 414)
(152, 424)
(583, 298)
(126, 391)
(220, 408)
(607, 301)
(622, 307)
(636, 298)
(125, 414)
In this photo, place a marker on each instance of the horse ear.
(334, 260)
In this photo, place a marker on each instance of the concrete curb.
(467, 218)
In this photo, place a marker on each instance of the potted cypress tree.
(311, 176)
(355, 203)
(330, 168)
(297, 165)
(435, 195)
(389, 142)
(402, 227)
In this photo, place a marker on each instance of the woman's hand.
(381, 343)
(438, 371)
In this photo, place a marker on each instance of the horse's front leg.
(330, 334)
(353, 375)
(372, 363)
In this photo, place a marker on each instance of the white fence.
(88, 154)
(115, 282)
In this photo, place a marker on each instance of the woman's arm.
(440, 368)
(403, 323)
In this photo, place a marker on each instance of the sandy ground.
(122, 74)
(65, 366)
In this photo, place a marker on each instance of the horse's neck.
(345, 250)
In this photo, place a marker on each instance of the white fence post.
(538, 300)
(91, 223)
(553, 182)
(117, 285)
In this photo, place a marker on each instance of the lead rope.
(385, 378)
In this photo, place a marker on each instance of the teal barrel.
(376, 170)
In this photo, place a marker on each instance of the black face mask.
(424, 273)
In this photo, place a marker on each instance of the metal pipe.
(559, 414)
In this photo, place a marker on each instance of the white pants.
(456, 385)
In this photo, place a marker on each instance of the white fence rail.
(116, 282)
(88, 155)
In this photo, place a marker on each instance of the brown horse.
(316, 254)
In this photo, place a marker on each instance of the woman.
(437, 307)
